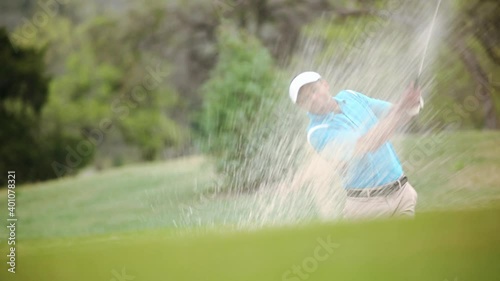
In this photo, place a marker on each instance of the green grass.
(135, 197)
(159, 222)
(462, 245)
(455, 171)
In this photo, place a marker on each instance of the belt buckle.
(368, 192)
(400, 180)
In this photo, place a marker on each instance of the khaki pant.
(398, 204)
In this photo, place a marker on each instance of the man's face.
(314, 97)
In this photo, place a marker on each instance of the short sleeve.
(332, 143)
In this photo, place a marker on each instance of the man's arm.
(379, 107)
(385, 128)
(333, 142)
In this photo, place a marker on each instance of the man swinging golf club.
(355, 129)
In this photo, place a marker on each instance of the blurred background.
(89, 85)
(137, 126)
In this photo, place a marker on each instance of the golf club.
(416, 110)
(427, 43)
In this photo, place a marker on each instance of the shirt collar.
(321, 117)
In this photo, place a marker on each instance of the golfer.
(354, 129)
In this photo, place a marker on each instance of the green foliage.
(25, 147)
(78, 97)
(23, 77)
(103, 80)
(160, 131)
(100, 59)
(446, 106)
(237, 99)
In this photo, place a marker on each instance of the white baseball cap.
(299, 81)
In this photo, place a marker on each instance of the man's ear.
(301, 93)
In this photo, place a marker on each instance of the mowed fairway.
(437, 246)
(131, 222)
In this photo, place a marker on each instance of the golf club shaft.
(427, 43)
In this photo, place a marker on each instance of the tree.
(475, 31)
(238, 98)
(24, 147)
(104, 90)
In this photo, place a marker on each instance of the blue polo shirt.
(334, 136)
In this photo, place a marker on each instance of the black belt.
(378, 191)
